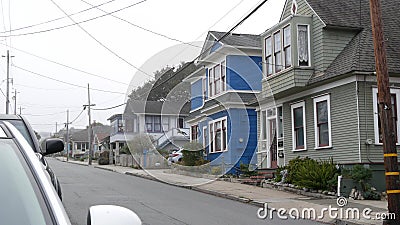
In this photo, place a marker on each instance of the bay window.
(194, 132)
(268, 54)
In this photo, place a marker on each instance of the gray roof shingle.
(358, 55)
(242, 40)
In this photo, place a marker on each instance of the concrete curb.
(103, 168)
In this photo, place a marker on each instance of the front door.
(272, 142)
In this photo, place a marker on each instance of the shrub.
(313, 174)
(104, 158)
(244, 170)
(193, 153)
(216, 170)
(124, 150)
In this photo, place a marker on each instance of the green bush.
(192, 154)
(104, 158)
(124, 150)
(244, 170)
(313, 174)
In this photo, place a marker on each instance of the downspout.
(366, 116)
(358, 122)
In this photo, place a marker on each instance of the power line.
(67, 66)
(73, 24)
(143, 28)
(206, 50)
(77, 116)
(100, 43)
(113, 107)
(64, 82)
(49, 21)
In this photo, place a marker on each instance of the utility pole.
(8, 81)
(15, 101)
(20, 110)
(386, 114)
(90, 127)
(67, 138)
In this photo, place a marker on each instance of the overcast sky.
(53, 62)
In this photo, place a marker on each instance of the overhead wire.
(52, 20)
(72, 24)
(145, 29)
(99, 42)
(65, 82)
(67, 66)
(188, 64)
(218, 40)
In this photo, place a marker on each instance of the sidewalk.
(258, 196)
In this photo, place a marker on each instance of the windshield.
(21, 127)
(21, 202)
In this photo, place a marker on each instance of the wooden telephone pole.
(386, 114)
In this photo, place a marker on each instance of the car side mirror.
(52, 145)
(112, 215)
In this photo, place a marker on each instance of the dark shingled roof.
(155, 107)
(231, 97)
(243, 40)
(358, 55)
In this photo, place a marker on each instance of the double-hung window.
(194, 132)
(322, 122)
(395, 103)
(287, 50)
(153, 123)
(217, 79)
(303, 45)
(278, 51)
(298, 126)
(218, 135)
(268, 55)
(211, 82)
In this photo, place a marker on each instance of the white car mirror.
(112, 214)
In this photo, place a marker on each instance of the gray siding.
(334, 41)
(374, 152)
(343, 122)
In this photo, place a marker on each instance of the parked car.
(23, 126)
(26, 191)
(175, 156)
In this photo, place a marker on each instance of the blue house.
(227, 81)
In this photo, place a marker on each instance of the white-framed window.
(395, 103)
(205, 142)
(298, 126)
(217, 79)
(165, 123)
(303, 44)
(278, 51)
(204, 86)
(322, 122)
(194, 133)
(218, 135)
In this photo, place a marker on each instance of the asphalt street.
(154, 202)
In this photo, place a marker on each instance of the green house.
(319, 90)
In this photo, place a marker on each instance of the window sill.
(381, 144)
(323, 148)
(278, 73)
(299, 150)
(218, 152)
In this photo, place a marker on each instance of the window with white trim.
(194, 133)
(278, 51)
(303, 45)
(322, 122)
(298, 126)
(217, 79)
(395, 103)
(218, 135)
(153, 124)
